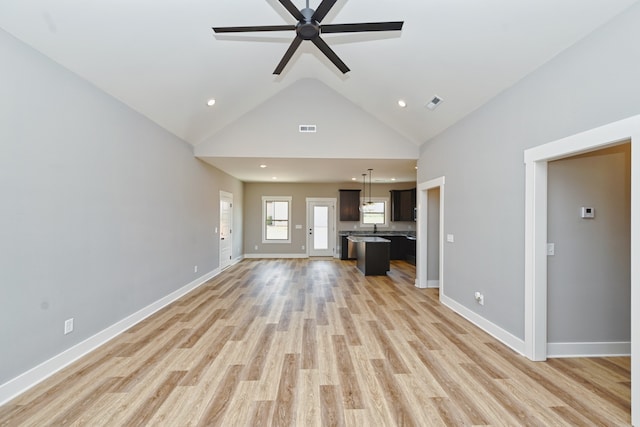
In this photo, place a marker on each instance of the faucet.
(375, 228)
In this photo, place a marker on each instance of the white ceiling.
(162, 59)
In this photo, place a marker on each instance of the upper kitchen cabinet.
(349, 205)
(403, 204)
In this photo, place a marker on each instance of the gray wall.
(103, 212)
(299, 192)
(592, 83)
(591, 269)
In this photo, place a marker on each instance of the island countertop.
(371, 239)
(372, 254)
(382, 233)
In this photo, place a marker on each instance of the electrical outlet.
(255, 248)
(479, 298)
(68, 326)
(195, 268)
(303, 247)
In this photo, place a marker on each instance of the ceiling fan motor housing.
(309, 28)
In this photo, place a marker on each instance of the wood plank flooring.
(316, 343)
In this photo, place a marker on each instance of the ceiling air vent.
(307, 128)
(435, 102)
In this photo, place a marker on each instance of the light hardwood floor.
(314, 342)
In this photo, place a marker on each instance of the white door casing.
(422, 233)
(226, 228)
(321, 231)
(536, 160)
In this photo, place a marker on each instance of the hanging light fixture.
(364, 192)
(366, 206)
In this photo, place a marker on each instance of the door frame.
(536, 160)
(332, 201)
(422, 219)
(229, 196)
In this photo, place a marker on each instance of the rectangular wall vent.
(436, 101)
(307, 128)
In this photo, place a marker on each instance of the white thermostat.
(587, 212)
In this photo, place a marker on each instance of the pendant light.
(367, 206)
(364, 192)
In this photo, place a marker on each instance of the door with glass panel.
(226, 225)
(321, 232)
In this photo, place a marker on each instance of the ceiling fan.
(309, 28)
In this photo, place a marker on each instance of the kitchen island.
(402, 245)
(373, 254)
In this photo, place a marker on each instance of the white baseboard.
(433, 283)
(588, 349)
(275, 256)
(234, 262)
(495, 331)
(25, 381)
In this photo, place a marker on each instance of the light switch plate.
(450, 238)
(551, 249)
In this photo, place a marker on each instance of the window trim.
(266, 199)
(384, 200)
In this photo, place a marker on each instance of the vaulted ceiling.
(162, 59)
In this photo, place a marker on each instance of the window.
(377, 215)
(276, 224)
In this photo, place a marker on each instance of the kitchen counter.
(359, 239)
(405, 233)
(402, 243)
(373, 254)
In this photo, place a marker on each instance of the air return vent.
(434, 103)
(307, 128)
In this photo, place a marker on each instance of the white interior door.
(226, 224)
(321, 219)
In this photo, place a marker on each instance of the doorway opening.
(430, 231)
(536, 168)
(588, 258)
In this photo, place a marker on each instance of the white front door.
(321, 232)
(226, 224)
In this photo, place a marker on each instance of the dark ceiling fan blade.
(322, 10)
(288, 54)
(252, 29)
(293, 10)
(363, 27)
(330, 54)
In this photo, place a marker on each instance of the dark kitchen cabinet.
(398, 247)
(411, 251)
(349, 205)
(403, 203)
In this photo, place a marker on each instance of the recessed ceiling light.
(263, 166)
(402, 103)
(393, 179)
(354, 179)
(274, 177)
(211, 102)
